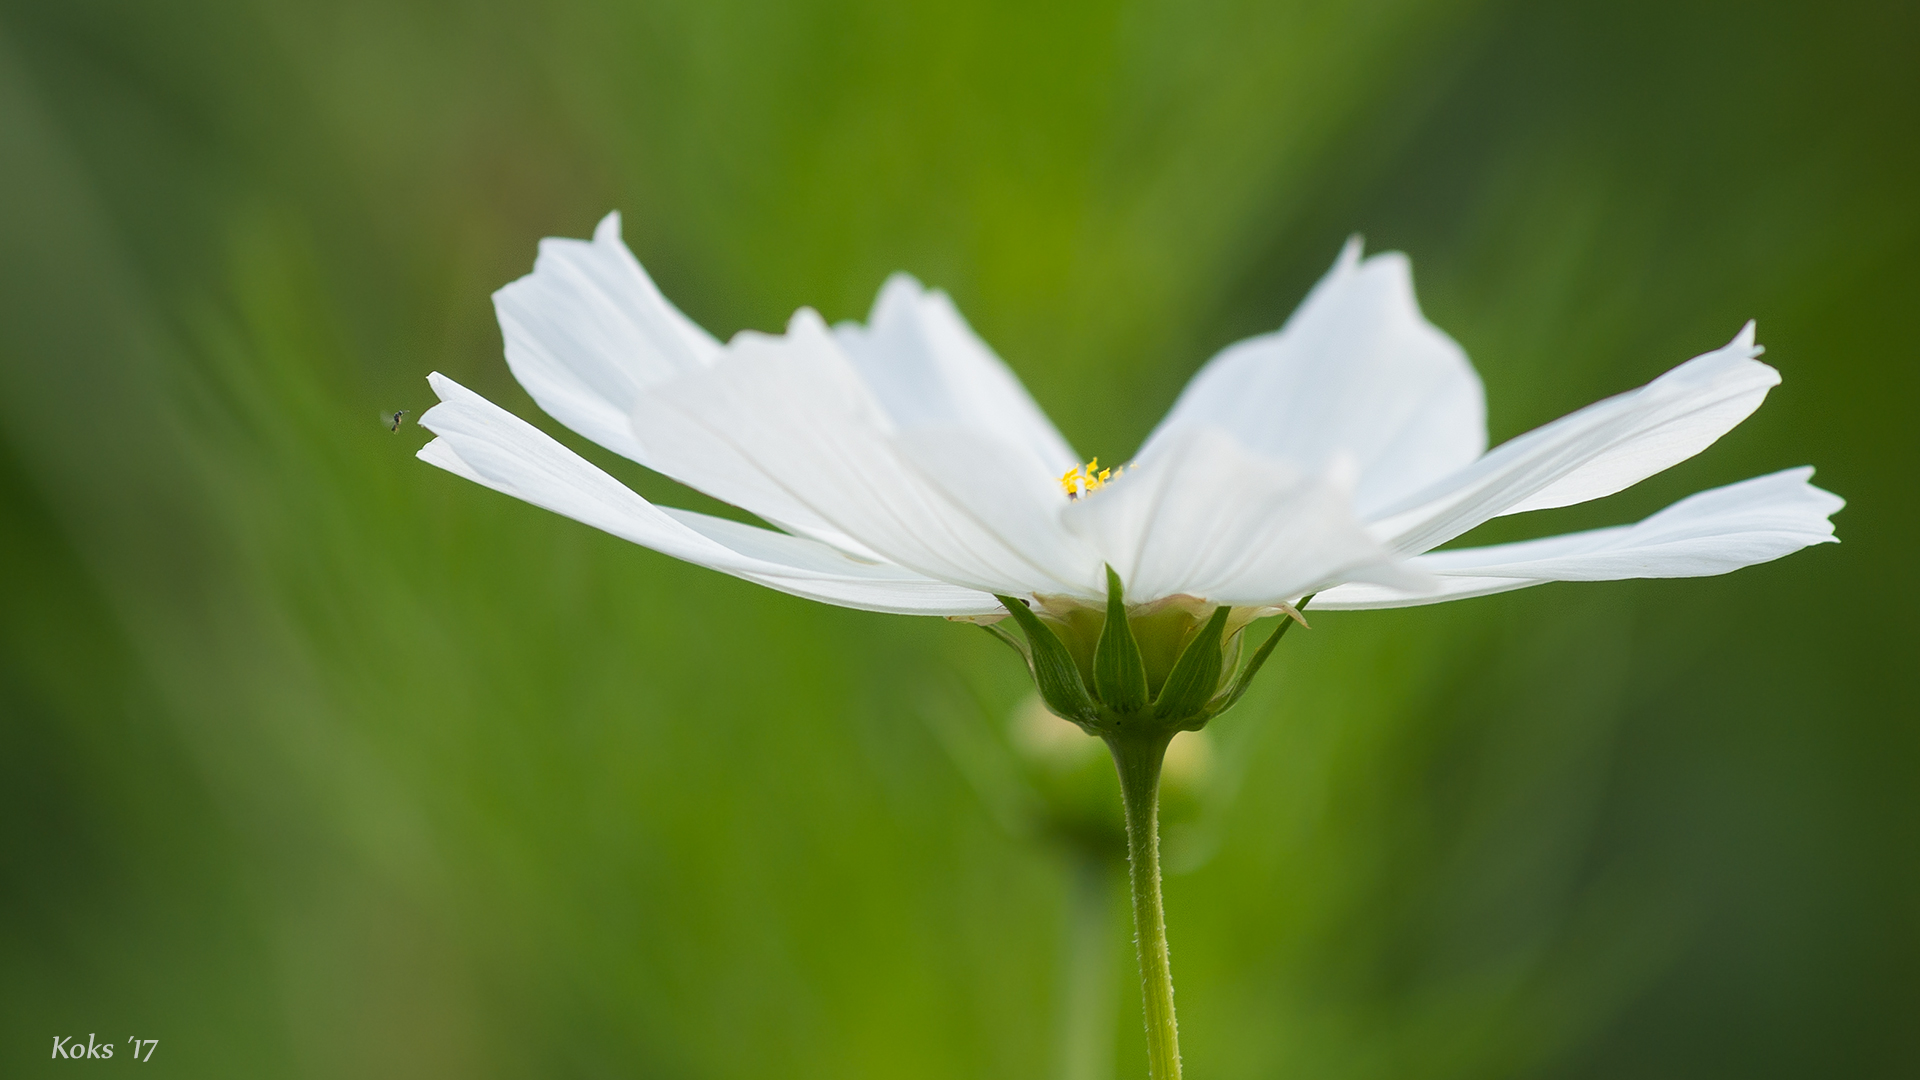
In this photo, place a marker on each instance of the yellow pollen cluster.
(1082, 479)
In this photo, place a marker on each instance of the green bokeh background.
(318, 762)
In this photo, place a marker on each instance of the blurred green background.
(318, 762)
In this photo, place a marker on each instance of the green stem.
(1138, 757)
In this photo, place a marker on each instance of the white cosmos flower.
(905, 468)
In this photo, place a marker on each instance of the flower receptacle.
(1144, 671)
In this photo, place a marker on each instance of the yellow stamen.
(1082, 479)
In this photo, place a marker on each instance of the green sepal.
(1232, 696)
(1119, 675)
(1196, 675)
(1000, 633)
(1053, 672)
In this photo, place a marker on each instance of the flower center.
(1086, 479)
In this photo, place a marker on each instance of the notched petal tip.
(608, 231)
(899, 284)
(439, 453)
(805, 320)
(447, 391)
(1350, 252)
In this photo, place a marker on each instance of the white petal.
(1366, 596)
(484, 443)
(1663, 446)
(1713, 532)
(1356, 372)
(927, 368)
(1597, 451)
(587, 331)
(790, 417)
(997, 486)
(1209, 518)
(842, 582)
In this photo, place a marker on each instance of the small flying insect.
(393, 419)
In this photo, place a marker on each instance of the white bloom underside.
(907, 470)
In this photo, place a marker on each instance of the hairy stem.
(1139, 758)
